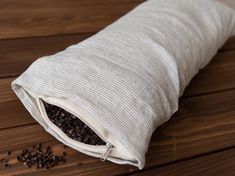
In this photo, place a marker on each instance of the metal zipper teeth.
(108, 144)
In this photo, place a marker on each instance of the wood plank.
(217, 164)
(14, 117)
(6, 93)
(17, 54)
(203, 124)
(217, 76)
(49, 17)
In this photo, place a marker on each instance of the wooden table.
(198, 140)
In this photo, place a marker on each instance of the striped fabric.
(126, 80)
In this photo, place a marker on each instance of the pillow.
(126, 80)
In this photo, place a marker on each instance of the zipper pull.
(106, 153)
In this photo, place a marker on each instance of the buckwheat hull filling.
(71, 125)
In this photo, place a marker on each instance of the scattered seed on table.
(7, 165)
(4, 160)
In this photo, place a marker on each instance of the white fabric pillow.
(126, 80)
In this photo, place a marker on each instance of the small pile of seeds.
(37, 156)
(40, 157)
(72, 126)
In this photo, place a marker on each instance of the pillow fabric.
(126, 80)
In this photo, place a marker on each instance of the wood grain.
(217, 164)
(14, 114)
(17, 54)
(6, 93)
(201, 125)
(217, 76)
(25, 18)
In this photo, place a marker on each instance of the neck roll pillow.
(126, 80)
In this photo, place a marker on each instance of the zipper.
(106, 153)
